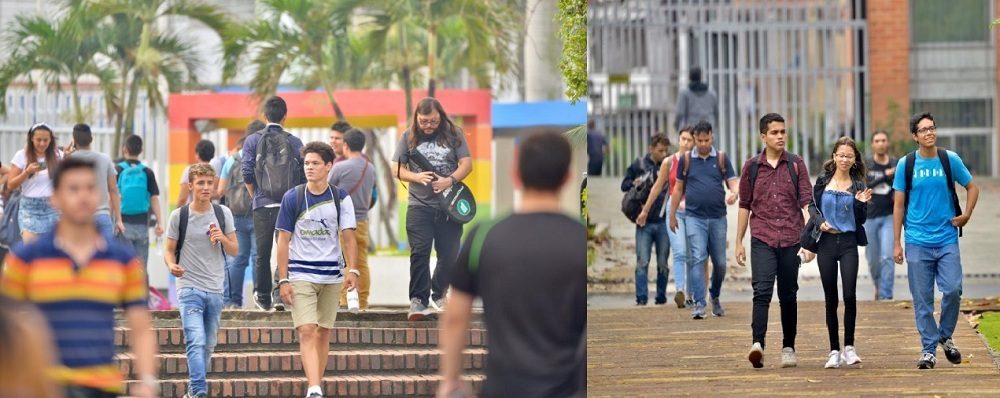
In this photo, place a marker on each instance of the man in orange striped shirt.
(77, 278)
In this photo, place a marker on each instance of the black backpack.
(793, 170)
(278, 167)
(635, 197)
(237, 198)
(183, 224)
(911, 161)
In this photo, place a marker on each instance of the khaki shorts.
(314, 303)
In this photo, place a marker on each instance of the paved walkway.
(659, 351)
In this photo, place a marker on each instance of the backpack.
(10, 231)
(133, 184)
(182, 228)
(911, 161)
(721, 159)
(793, 170)
(278, 167)
(635, 197)
(237, 197)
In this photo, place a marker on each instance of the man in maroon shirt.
(776, 213)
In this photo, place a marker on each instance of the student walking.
(701, 175)
(650, 231)
(198, 235)
(927, 205)
(76, 277)
(881, 169)
(337, 131)
(108, 217)
(357, 176)
(774, 195)
(29, 172)
(235, 196)
(316, 245)
(271, 165)
(140, 196)
(840, 208)
(667, 179)
(533, 287)
(435, 137)
(204, 150)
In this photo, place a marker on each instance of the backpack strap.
(793, 170)
(221, 217)
(911, 161)
(946, 165)
(478, 239)
(300, 198)
(722, 163)
(182, 226)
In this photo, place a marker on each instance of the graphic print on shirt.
(437, 155)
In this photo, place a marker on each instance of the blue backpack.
(132, 183)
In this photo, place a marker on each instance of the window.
(962, 113)
(935, 21)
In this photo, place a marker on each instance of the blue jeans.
(706, 237)
(654, 233)
(879, 255)
(925, 266)
(137, 236)
(236, 266)
(104, 225)
(678, 245)
(200, 312)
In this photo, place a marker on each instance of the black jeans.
(842, 249)
(264, 219)
(594, 169)
(426, 226)
(766, 264)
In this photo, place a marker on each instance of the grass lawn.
(989, 326)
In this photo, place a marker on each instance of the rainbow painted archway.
(362, 108)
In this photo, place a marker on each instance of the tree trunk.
(119, 115)
(431, 55)
(75, 90)
(387, 200)
(408, 93)
(133, 98)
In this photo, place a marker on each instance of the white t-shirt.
(38, 185)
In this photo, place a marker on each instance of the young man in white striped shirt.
(311, 264)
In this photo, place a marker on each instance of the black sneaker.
(640, 302)
(661, 301)
(950, 351)
(262, 303)
(276, 299)
(927, 361)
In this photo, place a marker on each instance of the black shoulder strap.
(221, 217)
(182, 225)
(946, 165)
(300, 197)
(911, 161)
(793, 170)
(336, 202)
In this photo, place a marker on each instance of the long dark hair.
(51, 160)
(447, 132)
(858, 170)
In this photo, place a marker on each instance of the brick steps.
(334, 386)
(289, 364)
(264, 339)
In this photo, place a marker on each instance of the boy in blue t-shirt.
(932, 252)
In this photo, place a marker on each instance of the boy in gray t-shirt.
(108, 216)
(356, 175)
(200, 270)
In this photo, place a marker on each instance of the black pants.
(264, 219)
(594, 169)
(842, 249)
(766, 264)
(87, 392)
(426, 226)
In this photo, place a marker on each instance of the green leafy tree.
(573, 31)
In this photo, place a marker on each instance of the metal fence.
(805, 60)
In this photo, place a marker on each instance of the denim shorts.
(36, 215)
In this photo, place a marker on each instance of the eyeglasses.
(928, 129)
(428, 122)
(844, 157)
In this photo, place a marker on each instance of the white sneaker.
(756, 356)
(833, 360)
(850, 356)
(788, 358)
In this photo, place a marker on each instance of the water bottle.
(353, 301)
(159, 246)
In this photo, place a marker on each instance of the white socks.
(314, 389)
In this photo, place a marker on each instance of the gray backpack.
(278, 167)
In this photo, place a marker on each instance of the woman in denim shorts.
(30, 171)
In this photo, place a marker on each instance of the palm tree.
(304, 39)
(64, 48)
(146, 58)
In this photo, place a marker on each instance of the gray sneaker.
(698, 312)
(439, 304)
(788, 358)
(717, 309)
(417, 310)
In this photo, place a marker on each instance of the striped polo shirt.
(314, 253)
(78, 302)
